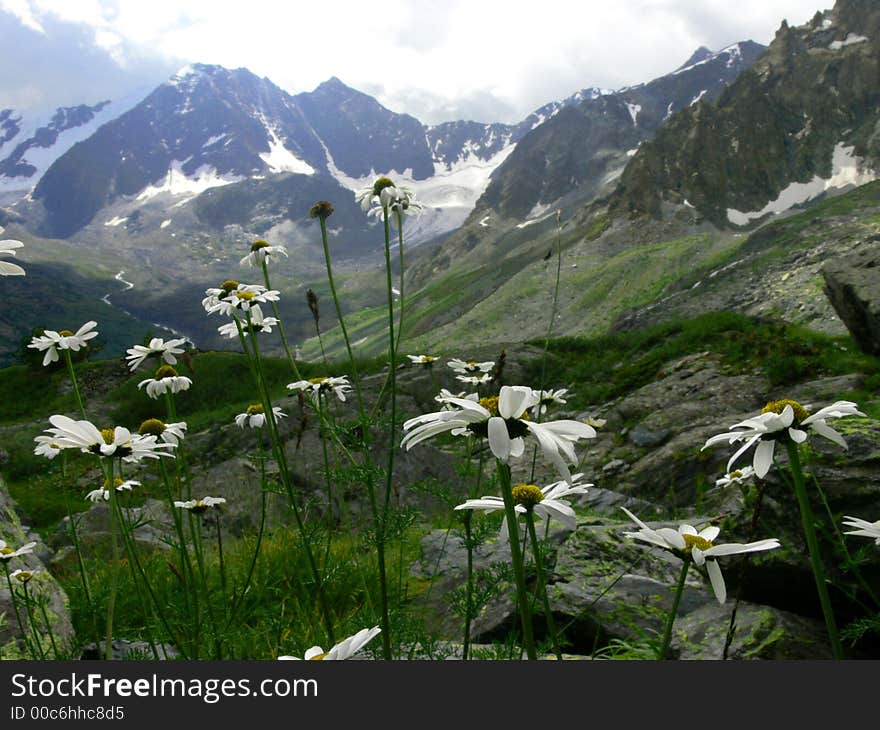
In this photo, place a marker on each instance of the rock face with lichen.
(42, 585)
(852, 284)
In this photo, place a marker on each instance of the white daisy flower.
(23, 576)
(8, 247)
(260, 252)
(255, 416)
(739, 476)
(52, 341)
(698, 546)
(7, 553)
(383, 195)
(863, 528)
(116, 442)
(483, 379)
(547, 398)
(243, 298)
(426, 360)
(446, 395)
(470, 367)
(504, 421)
(323, 386)
(258, 323)
(103, 494)
(166, 380)
(213, 295)
(546, 502)
(166, 351)
(343, 650)
(782, 419)
(169, 433)
(47, 447)
(197, 506)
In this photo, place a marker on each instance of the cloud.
(491, 60)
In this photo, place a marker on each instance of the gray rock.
(42, 585)
(647, 439)
(852, 285)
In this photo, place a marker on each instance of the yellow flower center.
(490, 404)
(528, 495)
(318, 657)
(695, 541)
(777, 406)
(317, 381)
(166, 371)
(24, 576)
(66, 333)
(117, 482)
(108, 434)
(152, 427)
(258, 244)
(255, 409)
(245, 296)
(6, 550)
(229, 286)
(736, 474)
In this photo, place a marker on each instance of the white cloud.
(436, 59)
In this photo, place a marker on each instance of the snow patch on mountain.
(847, 169)
(176, 182)
(280, 159)
(634, 110)
(850, 40)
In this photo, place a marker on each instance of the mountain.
(30, 143)
(209, 127)
(801, 122)
(586, 146)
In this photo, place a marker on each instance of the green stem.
(808, 521)
(517, 560)
(114, 563)
(469, 596)
(275, 311)
(281, 459)
(31, 622)
(670, 620)
(21, 630)
(42, 604)
(542, 582)
(399, 216)
(76, 393)
(355, 376)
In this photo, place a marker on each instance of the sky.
(439, 60)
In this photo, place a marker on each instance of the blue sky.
(436, 59)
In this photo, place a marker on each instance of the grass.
(606, 367)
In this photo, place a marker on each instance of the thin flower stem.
(49, 631)
(469, 595)
(808, 521)
(275, 311)
(114, 563)
(220, 555)
(355, 376)
(542, 582)
(284, 473)
(31, 622)
(399, 217)
(392, 441)
(670, 620)
(76, 393)
(517, 560)
(81, 565)
(849, 560)
(21, 630)
(555, 300)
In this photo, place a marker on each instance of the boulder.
(852, 285)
